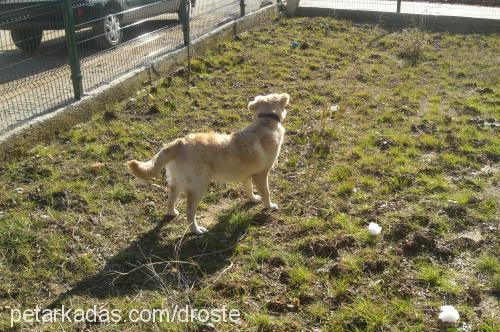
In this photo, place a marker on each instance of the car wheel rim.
(112, 29)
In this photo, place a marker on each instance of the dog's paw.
(272, 206)
(198, 230)
(173, 213)
(255, 199)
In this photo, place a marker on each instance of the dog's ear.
(284, 99)
(252, 106)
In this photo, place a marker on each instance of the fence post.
(184, 16)
(242, 8)
(74, 59)
(399, 6)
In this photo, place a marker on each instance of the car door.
(143, 9)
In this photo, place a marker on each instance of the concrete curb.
(291, 7)
(46, 127)
(430, 22)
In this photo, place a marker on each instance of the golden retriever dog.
(247, 156)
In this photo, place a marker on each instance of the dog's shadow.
(152, 264)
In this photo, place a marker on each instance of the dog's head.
(273, 103)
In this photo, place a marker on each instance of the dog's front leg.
(248, 188)
(261, 181)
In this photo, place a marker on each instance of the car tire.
(109, 32)
(27, 39)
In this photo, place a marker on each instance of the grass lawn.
(397, 127)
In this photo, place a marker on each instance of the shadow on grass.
(180, 264)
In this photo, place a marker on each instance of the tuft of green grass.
(318, 310)
(364, 315)
(430, 142)
(430, 274)
(238, 221)
(414, 46)
(488, 264)
(122, 194)
(345, 189)
(262, 322)
(452, 160)
(300, 275)
(340, 173)
(311, 223)
(260, 255)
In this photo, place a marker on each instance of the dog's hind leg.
(193, 198)
(173, 192)
(248, 188)
(262, 183)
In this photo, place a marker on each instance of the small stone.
(19, 190)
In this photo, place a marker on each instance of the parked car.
(27, 19)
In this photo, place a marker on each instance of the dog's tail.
(152, 168)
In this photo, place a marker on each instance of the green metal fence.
(53, 52)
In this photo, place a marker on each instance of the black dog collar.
(273, 116)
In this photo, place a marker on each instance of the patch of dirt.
(276, 262)
(357, 323)
(455, 211)
(284, 277)
(398, 231)
(333, 269)
(423, 127)
(306, 298)
(114, 148)
(264, 217)
(463, 243)
(470, 240)
(484, 90)
(229, 288)
(470, 110)
(328, 248)
(376, 266)
(210, 216)
(281, 305)
(153, 110)
(473, 295)
(109, 116)
(38, 197)
(67, 200)
(424, 243)
(482, 122)
(361, 78)
(347, 241)
(385, 143)
(320, 248)
(30, 172)
(488, 307)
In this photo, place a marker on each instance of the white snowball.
(449, 314)
(374, 228)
